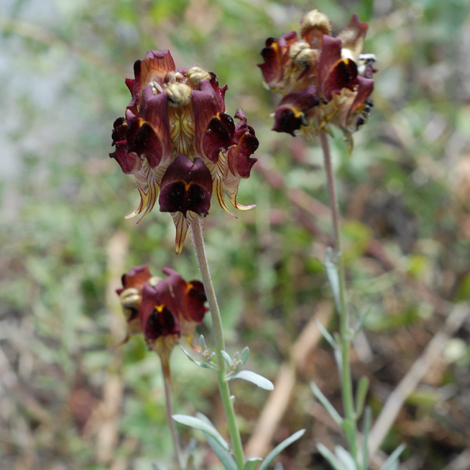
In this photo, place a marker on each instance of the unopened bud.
(195, 76)
(179, 94)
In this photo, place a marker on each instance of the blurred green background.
(69, 399)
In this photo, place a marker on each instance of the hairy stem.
(169, 413)
(198, 241)
(346, 381)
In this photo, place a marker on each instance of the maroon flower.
(176, 123)
(164, 310)
(320, 76)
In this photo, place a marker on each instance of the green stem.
(169, 413)
(198, 241)
(346, 380)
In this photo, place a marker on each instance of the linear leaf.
(259, 380)
(393, 458)
(330, 457)
(361, 393)
(280, 447)
(198, 423)
(326, 334)
(227, 460)
(365, 430)
(345, 457)
(325, 402)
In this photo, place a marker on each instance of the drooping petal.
(364, 90)
(206, 105)
(154, 111)
(186, 186)
(342, 75)
(352, 38)
(160, 326)
(334, 73)
(276, 56)
(291, 112)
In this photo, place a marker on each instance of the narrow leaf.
(333, 278)
(326, 404)
(345, 457)
(244, 354)
(253, 377)
(365, 430)
(280, 447)
(361, 322)
(361, 393)
(226, 357)
(251, 464)
(204, 365)
(227, 460)
(393, 458)
(198, 423)
(349, 429)
(330, 457)
(326, 335)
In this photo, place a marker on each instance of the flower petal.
(276, 56)
(290, 115)
(352, 37)
(186, 186)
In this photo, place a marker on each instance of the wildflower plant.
(180, 145)
(327, 81)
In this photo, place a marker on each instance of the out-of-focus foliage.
(68, 397)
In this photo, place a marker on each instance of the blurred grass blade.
(280, 447)
(251, 464)
(392, 462)
(333, 278)
(253, 377)
(203, 425)
(330, 457)
(326, 335)
(365, 431)
(360, 323)
(361, 394)
(326, 404)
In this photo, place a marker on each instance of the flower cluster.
(179, 143)
(321, 78)
(164, 310)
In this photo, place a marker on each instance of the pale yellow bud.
(195, 76)
(179, 94)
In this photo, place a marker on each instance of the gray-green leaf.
(198, 423)
(251, 464)
(280, 447)
(253, 377)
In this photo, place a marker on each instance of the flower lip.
(186, 186)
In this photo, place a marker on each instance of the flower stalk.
(224, 390)
(174, 435)
(345, 367)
